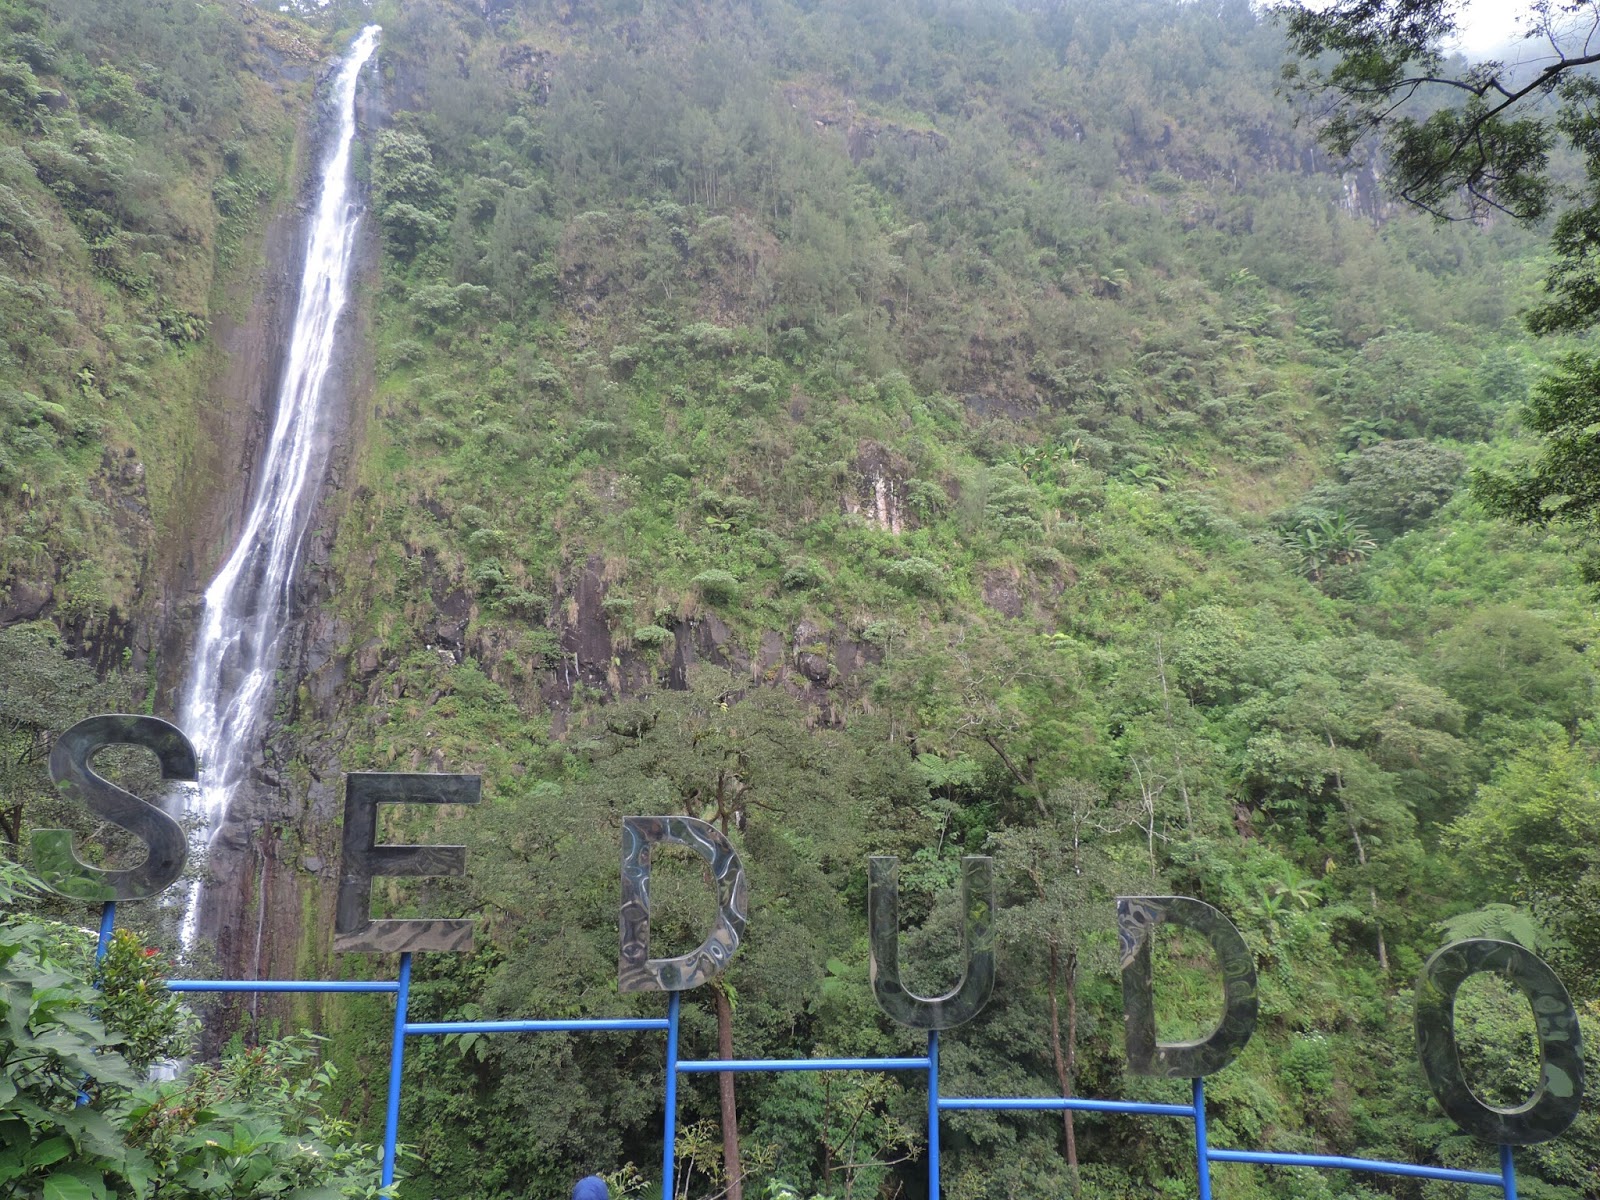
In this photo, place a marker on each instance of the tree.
(1465, 141)
(795, 801)
(1065, 878)
(1485, 147)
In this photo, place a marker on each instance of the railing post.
(397, 1054)
(1508, 1173)
(670, 1125)
(1202, 1151)
(933, 1114)
(108, 922)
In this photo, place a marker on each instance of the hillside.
(946, 428)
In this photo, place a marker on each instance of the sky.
(1487, 25)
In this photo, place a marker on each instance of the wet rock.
(369, 659)
(850, 656)
(813, 666)
(769, 657)
(1000, 592)
(25, 600)
(879, 491)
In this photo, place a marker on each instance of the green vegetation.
(1473, 141)
(77, 1123)
(139, 142)
(928, 429)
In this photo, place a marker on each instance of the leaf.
(50, 1151)
(66, 1187)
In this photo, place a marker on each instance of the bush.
(252, 1125)
(800, 574)
(51, 1042)
(522, 604)
(487, 578)
(1390, 487)
(150, 1020)
(717, 586)
(488, 542)
(916, 575)
(651, 637)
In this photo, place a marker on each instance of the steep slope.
(139, 302)
(924, 429)
(1046, 441)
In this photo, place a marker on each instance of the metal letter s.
(61, 869)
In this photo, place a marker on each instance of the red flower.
(151, 952)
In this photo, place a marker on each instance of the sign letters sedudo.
(1552, 1107)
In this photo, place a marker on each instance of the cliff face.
(879, 429)
(689, 341)
(273, 863)
(146, 250)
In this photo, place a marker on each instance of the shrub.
(717, 586)
(488, 541)
(487, 578)
(471, 516)
(522, 604)
(916, 575)
(252, 1125)
(152, 1022)
(651, 637)
(800, 574)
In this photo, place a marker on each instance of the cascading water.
(247, 606)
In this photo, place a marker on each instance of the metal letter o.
(1555, 1102)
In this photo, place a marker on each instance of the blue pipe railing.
(1205, 1153)
(1268, 1158)
(282, 985)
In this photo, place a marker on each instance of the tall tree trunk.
(1361, 857)
(1177, 755)
(1065, 1059)
(732, 1168)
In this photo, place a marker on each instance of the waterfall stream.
(247, 606)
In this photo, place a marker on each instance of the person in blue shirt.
(591, 1187)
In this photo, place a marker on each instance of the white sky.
(1487, 25)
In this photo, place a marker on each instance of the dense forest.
(934, 428)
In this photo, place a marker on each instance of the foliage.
(253, 1124)
(1561, 483)
(138, 144)
(874, 429)
(1333, 541)
(1467, 140)
(77, 1123)
(42, 693)
(152, 1022)
(51, 1041)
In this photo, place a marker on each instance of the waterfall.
(247, 607)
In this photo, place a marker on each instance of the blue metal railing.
(1205, 1153)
